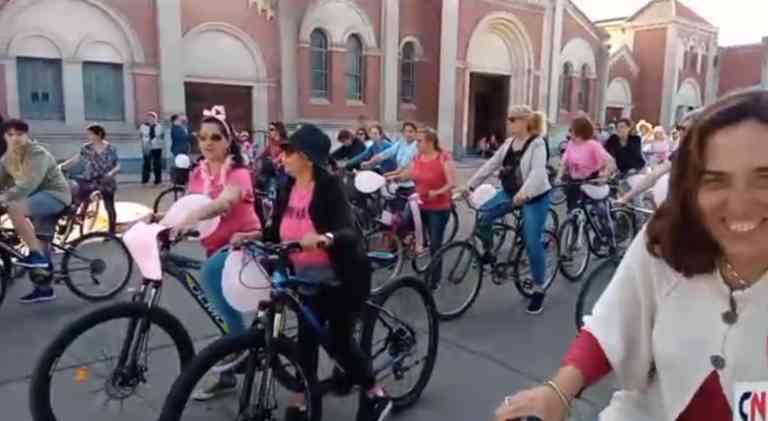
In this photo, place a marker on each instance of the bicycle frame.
(582, 212)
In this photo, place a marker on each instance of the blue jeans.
(212, 278)
(497, 207)
(535, 214)
(434, 222)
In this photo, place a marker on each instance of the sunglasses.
(272, 129)
(512, 119)
(214, 137)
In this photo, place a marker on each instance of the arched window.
(408, 74)
(584, 92)
(566, 86)
(355, 67)
(319, 63)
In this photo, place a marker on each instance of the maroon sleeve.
(588, 356)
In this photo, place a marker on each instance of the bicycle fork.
(136, 338)
(272, 331)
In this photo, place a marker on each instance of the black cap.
(312, 142)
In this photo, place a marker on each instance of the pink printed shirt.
(585, 158)
(296, 223)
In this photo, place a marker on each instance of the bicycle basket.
(595, 192)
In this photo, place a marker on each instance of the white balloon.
(483, 194)
(369, 181)
(596, 192)
(189, 203)
(245, 283)
(182, 161)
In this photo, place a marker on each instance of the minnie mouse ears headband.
(219, 113)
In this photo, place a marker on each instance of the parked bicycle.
(593, 227)
(179, 176)
(463, 268)
(400, 350)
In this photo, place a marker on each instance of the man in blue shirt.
(403, 152)
(380, 144)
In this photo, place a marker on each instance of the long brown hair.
(677, 233)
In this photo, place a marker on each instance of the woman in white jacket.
(682, 324)
(522, 160)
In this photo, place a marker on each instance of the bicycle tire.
(567, 231)
(557, 196)
(452, 312)
(555, 225)
(625, 227)
(452, 227)
(202, 363)
(595, 283)
(523, 284)
(175, 191)
(391, 252)
(66, 270)
(5, 276)
(40, 383)
(433, 336)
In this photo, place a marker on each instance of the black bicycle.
(594, 227)
(593, 288)
(101, 361)
(402, 352)
(463, 268)
(82, 264)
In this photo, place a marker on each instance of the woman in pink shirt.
(223, 176)
(313, 210)
(585, 158)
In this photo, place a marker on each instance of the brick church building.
(456, 65)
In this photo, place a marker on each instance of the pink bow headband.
(219, 113)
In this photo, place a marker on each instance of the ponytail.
(537, 124)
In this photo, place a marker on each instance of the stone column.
(390, 45)
(172, 98)
(449, 44)
(74, 99)
(289, 43)
(603, 78)
(555, 66)
(12, 87)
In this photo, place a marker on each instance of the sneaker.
(34, 260)
(217, 386)
(230, 362)
(536, 305)
(378, 408)
(38, 295)
(293, 413)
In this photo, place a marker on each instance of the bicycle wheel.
(401, 334)
(461, 277)
(553, 221)
(574, 250)
(523, 275)
(385, 251)
(85, 263)
(593, 288)
(77, 378)
(5, 275)
(254, 403)
(624, 229)
(166, 198)
(452, 227)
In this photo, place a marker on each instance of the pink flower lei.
(209, 179)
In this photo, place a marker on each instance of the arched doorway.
(499, 64)
(688, 98)
(618, 100)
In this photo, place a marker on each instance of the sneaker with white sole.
(39, 295)
(217, 386)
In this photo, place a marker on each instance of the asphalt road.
(493, 350)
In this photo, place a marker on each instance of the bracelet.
(565, 401)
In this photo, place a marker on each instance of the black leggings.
(340, 313)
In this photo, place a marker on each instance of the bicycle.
(389, 247)
(83, 255)
(272, 364)
(459, 258)
(136, 325)
(593, 227)
(593, 288)
(82, 215)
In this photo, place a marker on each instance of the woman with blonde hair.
(644, 130)
(522, 160)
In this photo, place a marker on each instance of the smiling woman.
(682, 323)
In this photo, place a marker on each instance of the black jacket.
(345, 152)
(629, 157)
(331, 213)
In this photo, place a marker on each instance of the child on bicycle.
(313, 209)
(35, 189)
